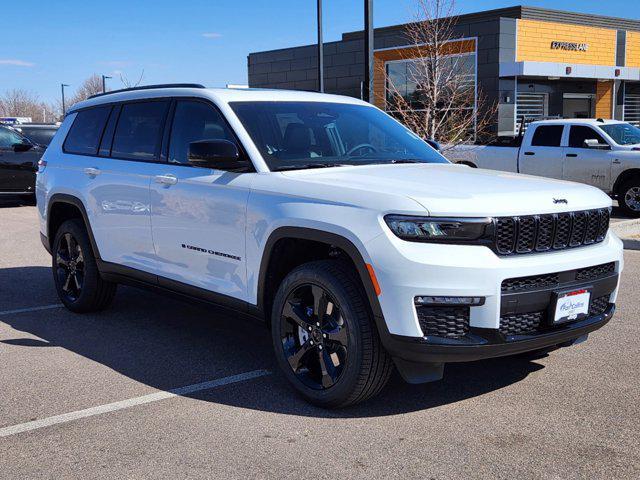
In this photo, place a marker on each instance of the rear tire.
(75, 272)
(629, 197)
(332, 360)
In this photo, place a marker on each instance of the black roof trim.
(151, 87)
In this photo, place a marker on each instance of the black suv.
(18, 162)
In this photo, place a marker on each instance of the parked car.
(359, 245)
(38, 133)
(602, 153)
(18, 162)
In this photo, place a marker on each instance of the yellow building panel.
(604, 99)
(633, 49)
(545, 42)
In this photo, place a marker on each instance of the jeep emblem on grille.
(560, 200)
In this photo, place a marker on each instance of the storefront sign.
(575, 47)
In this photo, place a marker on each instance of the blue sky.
(45, 43)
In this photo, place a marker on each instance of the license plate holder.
(570, 305)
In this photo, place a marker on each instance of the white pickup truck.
(602, 153)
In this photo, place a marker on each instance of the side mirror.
(218, 154)
(434, 144)
(593, 143)
(22, 147)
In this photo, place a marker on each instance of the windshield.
(292, 135)
(622, 133)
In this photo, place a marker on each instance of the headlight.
(434, 229)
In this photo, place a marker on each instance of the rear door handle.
(572, 155)
(529, 153)
(91, 171)
(616, 161)
(166, 179)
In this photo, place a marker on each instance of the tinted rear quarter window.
(85, 133)
(547, 136)
(139, 130)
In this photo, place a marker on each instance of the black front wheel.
(75, 272)
(324, 337)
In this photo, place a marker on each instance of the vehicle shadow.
(166, 343)
(9, 201)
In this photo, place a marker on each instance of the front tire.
(629, 197)
(75, 272)
(324, 337)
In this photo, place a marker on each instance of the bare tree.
(91, 86)
(22, 103)
(443, 102)
(128, 83)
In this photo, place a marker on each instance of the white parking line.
(132, 402)
(31, 309)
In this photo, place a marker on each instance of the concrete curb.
(630, 244)
(629, 233)
(626, 227)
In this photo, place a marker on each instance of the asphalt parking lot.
(94, 396)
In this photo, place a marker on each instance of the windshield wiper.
(405, 160)
(308, 166)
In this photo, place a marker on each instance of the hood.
(450, 190)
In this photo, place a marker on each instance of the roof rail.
(151, 87)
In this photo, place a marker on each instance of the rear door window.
(86, 131)
(547, 136)
(138, 134)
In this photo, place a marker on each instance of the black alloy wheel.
(78, 282)
(314, 336)
(70, 267)
(324, 335)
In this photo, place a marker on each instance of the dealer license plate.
(572, 305)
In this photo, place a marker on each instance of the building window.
(409, 81)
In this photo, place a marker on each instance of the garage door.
(632, 108)
(531, 106)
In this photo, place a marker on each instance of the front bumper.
(406, 270)
(483, 343)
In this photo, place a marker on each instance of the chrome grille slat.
(541, 233)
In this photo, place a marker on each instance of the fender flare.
(305, 233)
(76, 202)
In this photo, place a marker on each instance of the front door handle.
(529, 153)
(572, 155)
(91, 171)
(166, 179)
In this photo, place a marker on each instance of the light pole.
(104, 83)
(367, 90)
(64, 109)
(320, 50)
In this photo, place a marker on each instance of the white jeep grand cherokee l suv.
(360, 245)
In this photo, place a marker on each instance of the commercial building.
(528, 61)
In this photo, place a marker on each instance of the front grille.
(447, 322)
(532, 322)
(541, 233)
(551, 280)
(597, 271)
(534, 282)
(521, 323)
(598, 306)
